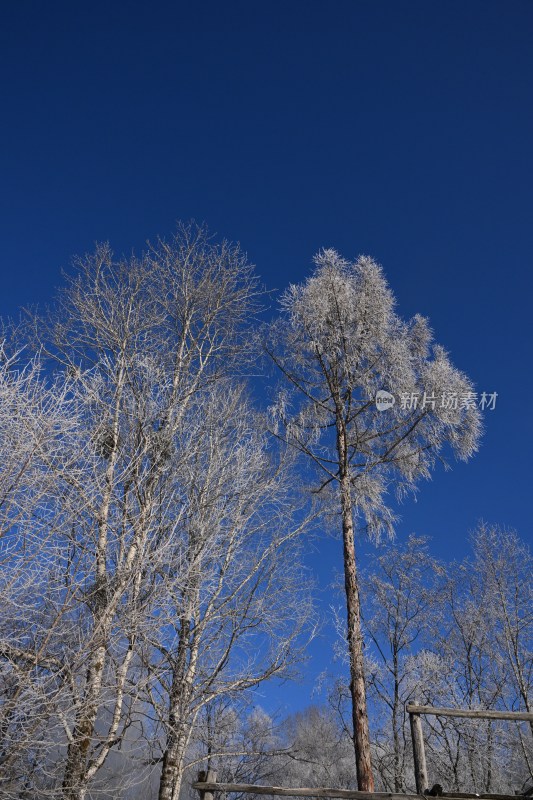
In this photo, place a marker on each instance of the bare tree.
(504, 565)
(400, 592)
(138, 340)
(320, 752)
(480, 658)
(238, 740)
(239, 615)
(39, 443)
(338, 343)
(169, 573)
(464, 641)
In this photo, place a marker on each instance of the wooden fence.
(207, 781)
(419, 753)
(207, 785)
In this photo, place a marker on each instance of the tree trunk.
(178, 719)
(75, 777)
(172, 769)
(361, 736)
(398, 768)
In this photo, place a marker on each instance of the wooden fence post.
(419, 753)
(206, 777)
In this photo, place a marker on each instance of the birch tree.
(140, 338)
(163, 568)
(238, 618)
(39, 440)
(338, 342)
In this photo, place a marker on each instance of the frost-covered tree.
(504, 566)
(400, 593)
(338, 342)
(236, 739)
(234, 615)
(156, 522)
(140, 338)
(479, 656)
(319, 752)
(39, 444)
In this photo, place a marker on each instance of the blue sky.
(398, 129)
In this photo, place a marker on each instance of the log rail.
(207, 786)
(517, 716)
(207, 783)
(419, 754)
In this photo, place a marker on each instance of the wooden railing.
(207, 785)
(419, 753)
(207, 781)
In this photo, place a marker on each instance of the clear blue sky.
(403, 130)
